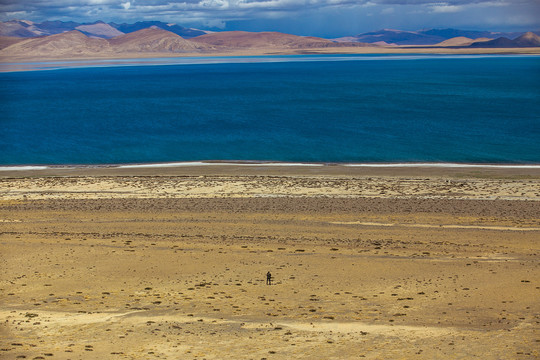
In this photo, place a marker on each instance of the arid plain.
(370, 263)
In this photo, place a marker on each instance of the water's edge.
(266, 164)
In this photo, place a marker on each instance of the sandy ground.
(423, 265)
(10, 63)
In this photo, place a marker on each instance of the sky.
(325, 18)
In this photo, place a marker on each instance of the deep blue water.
(426, 109)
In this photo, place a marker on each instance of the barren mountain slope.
(155, 40)
(243, 39)
(71, 43)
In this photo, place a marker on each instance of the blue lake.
(469, 109)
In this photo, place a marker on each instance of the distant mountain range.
(423, 37)
(57, 39)
(99, 29)
(528, 39)
(75, 43)
(253, 40)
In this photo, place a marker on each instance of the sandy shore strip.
(170, 262)
(246, 180)
(9, 63)
(219, 167)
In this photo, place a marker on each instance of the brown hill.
(456, 41)
(99, 29)
(500, 42)
(254, 40)
(72, 43)
(155, 40)
(482, 39)
(19, 28)
(6, 41)
(461, 41)
(528, 39)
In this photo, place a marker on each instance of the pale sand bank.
(10, 63)
(308, 182)
(255, 164)
(427, 265)
(245, 168)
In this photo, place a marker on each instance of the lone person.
(268, 278)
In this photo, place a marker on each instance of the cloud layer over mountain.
(319, 17)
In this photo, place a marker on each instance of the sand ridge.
(264, 186)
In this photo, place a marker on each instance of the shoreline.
(399, 164)
(275, 168)
(17, 64)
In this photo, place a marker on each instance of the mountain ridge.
(184, 32)
(26, 29)
(75, 43)
(91, 41)
(244, 39)
(70, 43)
(155, 39)
(529, 39)
(423, 37)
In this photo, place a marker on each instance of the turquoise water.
(293, 109)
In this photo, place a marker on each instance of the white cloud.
(214, 4)
(446, 8)
(126, 5)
